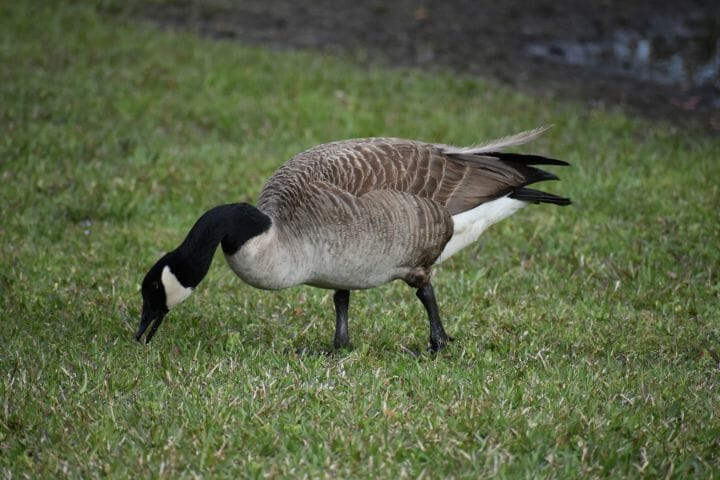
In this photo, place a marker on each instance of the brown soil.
(480, 37)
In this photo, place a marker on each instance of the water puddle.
(673, 51)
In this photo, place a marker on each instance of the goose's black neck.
(230, 225)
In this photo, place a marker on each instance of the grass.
(587, 338)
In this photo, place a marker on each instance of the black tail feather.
(536, 196)
(519, 163)
(518, 170)
(525, 159)
(534, 175)
(523, 162)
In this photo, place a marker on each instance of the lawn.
(587, 337)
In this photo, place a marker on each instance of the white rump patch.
(174, 291)
(467, 226)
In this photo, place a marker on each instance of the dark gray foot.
(341, 298)
(438, 338)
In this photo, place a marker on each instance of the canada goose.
(355, 214)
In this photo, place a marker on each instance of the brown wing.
(456, 179)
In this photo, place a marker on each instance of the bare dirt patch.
(659, 59)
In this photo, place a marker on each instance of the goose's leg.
(438, 337)
(341, 298)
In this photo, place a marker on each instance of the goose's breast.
(328, 257)
(326, 237)
(266, 262)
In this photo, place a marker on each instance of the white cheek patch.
(174, 291)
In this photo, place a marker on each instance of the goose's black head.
(164, 287)
(173, 278)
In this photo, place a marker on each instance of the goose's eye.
(156, 285)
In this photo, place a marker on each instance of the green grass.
(587, 338)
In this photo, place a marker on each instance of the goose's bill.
(152, 319)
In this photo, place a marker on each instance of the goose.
(352, 215)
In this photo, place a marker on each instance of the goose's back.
(352, 166)
(457, 182)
